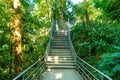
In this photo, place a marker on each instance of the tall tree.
(17, 37)
(86, 12)
(60, 8)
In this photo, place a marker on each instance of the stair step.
(59, 44)
(60, 51)
(60, 64)
(60, 47)
(51, 59)
(59, 39)
(59, 32)
(55, 37)
(64, 52)
(60, 35)
(61, 67)
(66, 36)
(61, 56)
(60, 61)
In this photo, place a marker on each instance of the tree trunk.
(10, 64)
(86, 13)
(17, 37)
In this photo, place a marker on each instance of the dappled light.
(53, 58)
(16, 3)
(49, 69)
(59, 40)
(56, 59)
(58, 76)
(49, 59)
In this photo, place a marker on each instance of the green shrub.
(110, 64)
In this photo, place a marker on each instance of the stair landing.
(61, 74)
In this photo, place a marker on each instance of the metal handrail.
(53, 24)
(21, 75)
(71, 45)
(82, 65)
(51, 31)
(85, 63)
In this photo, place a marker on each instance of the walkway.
(62, 74)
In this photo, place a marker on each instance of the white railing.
(87, 71)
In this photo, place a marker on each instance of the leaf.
(116, 68)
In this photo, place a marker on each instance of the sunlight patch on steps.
(58, 76)
(55, 59)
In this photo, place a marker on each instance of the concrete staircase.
(60, 64)
(60, 56)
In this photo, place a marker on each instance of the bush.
(110, 64)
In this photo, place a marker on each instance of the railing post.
(102, 77)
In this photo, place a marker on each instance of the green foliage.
(110, 64)
(60, 9)
(99, 44)
(111, 8)
(6, 12)
(79, 10)
(99, 37)
(34, 28)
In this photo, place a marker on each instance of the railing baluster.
(102, 77)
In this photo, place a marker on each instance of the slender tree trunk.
(17, 37)
(10, 64)
(86, 12)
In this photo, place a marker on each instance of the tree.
(86, 12)
(17, 37)
(34, 22)
(60, 9)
